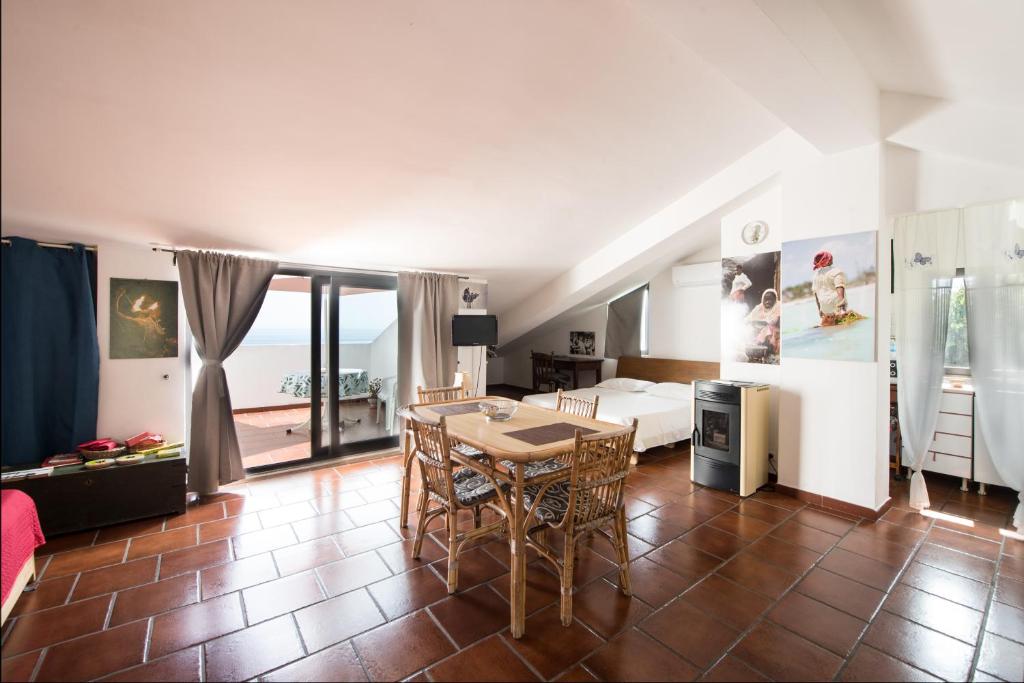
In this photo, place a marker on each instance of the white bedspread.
(661, 420)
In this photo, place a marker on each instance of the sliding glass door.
(316, 376)
(360, 346)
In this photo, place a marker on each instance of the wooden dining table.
(493, 438)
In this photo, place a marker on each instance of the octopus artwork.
(143, 318)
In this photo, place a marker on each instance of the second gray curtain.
(223, 295)
(426, 357)
(625, 318)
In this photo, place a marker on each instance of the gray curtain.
(223, 295)
(426, 357)
(625, 316)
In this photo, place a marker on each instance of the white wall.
(517, 368)
(138, 394)
(768, 208)
(684, 321)
(384, 353)
(833, 415)
(924, 181)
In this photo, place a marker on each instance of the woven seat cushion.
(535, 469)
(553, 505)
(468, 451)
(472, 488)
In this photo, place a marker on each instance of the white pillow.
(674, 390)
(625, 384)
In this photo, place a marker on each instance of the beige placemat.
(456, 408)
(552, 433)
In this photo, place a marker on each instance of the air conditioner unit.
(697, 274)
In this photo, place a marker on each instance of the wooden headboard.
(666, 369)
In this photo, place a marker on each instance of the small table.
(574, 364)
(474, 429)
(352, 383)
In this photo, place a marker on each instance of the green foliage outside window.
(956, 338)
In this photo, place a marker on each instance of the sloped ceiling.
(959, 50)
(507, 140)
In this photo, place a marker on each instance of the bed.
(21, 535)
(661, 420)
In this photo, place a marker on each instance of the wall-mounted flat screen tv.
(474, 330)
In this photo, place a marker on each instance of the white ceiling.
(503, 139)
(506, 139)
(961, 50)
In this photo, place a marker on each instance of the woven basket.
(96, 455)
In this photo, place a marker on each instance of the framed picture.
(582, 343)
(828, 297)
(751, 309)
(143, 318)
(474, 295)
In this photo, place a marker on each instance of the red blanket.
(20, 536)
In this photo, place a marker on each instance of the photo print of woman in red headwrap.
(828, 297)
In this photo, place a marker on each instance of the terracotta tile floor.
(307, 576)
(264, 440)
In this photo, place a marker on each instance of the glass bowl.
(499, 411)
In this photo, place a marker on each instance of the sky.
(285, 317)
(853, 252)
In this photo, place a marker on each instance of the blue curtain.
(49, 386)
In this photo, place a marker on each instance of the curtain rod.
(288, 264)
(53, 245)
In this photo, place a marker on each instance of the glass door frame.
(330, 282)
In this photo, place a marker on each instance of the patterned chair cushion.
(535, 469)
(468, 451)
(553, 505)
(472, 488)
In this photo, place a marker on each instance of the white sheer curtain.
(925, 264)
(994, 277)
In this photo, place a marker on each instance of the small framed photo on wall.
(582, 343)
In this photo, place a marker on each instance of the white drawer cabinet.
(949, 423)
(956, 403)
(951, 444)
(948, 464)
(952, 448)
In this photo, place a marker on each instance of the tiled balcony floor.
(307, 576)
(264, 439)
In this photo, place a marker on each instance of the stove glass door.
(717, 433)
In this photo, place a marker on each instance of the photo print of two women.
(751, 310)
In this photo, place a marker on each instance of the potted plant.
(375, 385)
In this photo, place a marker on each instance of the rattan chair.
(545, 374)
(589, 498)
(428, 395)
(451, 490)
(440, 394)
(572, 405)
(575, 405)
